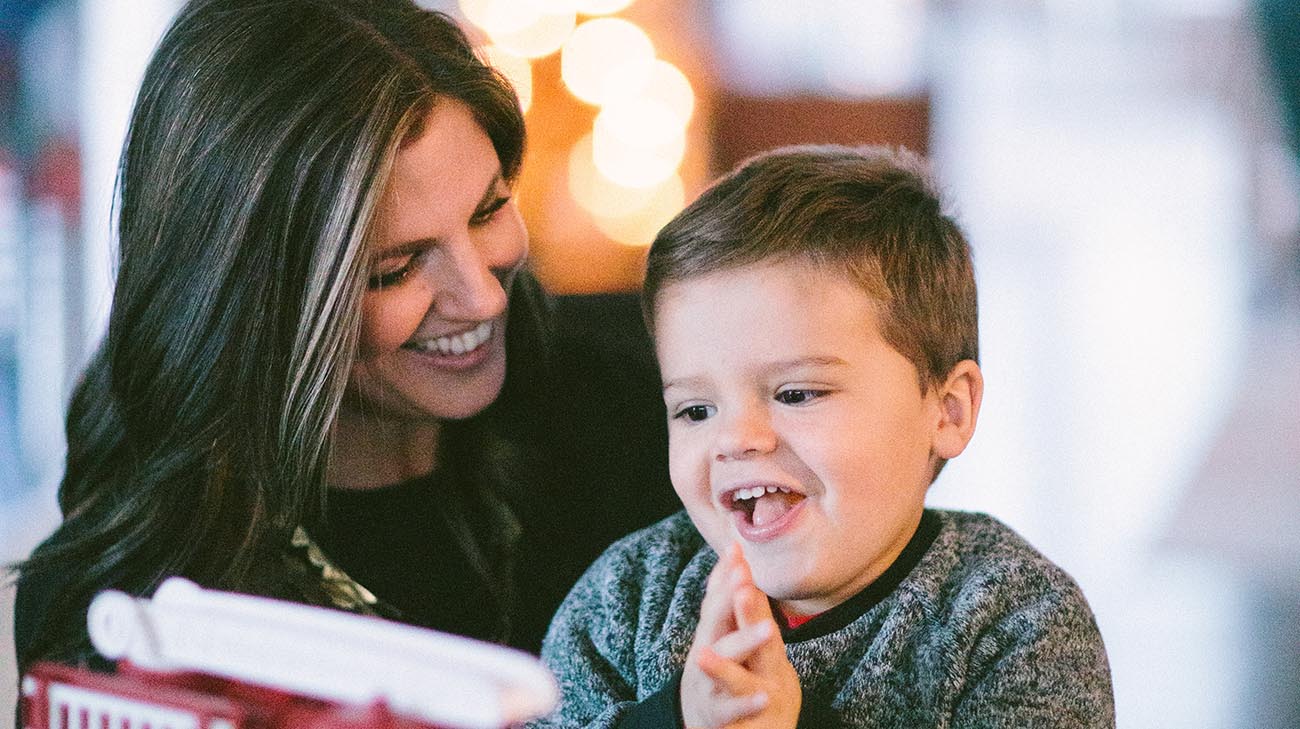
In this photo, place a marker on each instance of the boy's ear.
(959, 407)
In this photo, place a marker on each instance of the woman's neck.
(370, 452)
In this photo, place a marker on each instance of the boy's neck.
(797, 625)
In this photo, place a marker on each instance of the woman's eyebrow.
(410, 247)
(490, 193)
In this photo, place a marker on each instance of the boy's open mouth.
(762, 505)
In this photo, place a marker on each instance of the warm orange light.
(518, 70)
(604, 55)
(640, 227)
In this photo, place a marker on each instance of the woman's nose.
(744, 433)
(474, 288)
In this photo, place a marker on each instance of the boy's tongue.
(770, 507)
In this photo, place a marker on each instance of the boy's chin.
(789, 588)
(718, 535)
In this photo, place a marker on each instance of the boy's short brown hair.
(870, 212)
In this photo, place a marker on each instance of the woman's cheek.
(388, 320)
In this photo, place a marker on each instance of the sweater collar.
(855, 607)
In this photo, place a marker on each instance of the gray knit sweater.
(973, 628)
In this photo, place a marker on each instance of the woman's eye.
(796, 396)
(485, 214)
(392, 271)
(695, 413)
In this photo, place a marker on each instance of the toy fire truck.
(191, 658)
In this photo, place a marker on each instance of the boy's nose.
(745, 434)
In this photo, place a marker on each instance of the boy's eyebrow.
(687, 382)
(828, 360)
(773, 367)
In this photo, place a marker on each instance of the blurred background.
(1126, 171)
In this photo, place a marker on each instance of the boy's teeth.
(757, 491)
(459, 343)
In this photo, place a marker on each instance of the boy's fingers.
(731, 709)
(739, 645)
(753, 609)
(716, 619)
(728, 676)
(751, 606)
(740, 566)
(769, 657)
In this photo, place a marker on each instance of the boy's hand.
(737, 673)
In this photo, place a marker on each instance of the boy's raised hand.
(737, 674)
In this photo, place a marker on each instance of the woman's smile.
(459, 351)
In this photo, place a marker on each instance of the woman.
(327, 375)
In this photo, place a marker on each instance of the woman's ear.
(959, 407)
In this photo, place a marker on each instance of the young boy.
(814, 316)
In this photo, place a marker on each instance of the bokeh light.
(598, 194)
(501, 17)
(639, 121)
(640, 227)
(542, 37)
(670, 86)
(636, 152)
(600, 7)
(604, 55)
(515, 68)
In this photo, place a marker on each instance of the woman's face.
(449, 241)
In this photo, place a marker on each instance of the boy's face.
(793, 427)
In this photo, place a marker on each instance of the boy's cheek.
(714, 530)
(692, 486)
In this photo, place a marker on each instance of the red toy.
(201, 659)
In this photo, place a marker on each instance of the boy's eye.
(695, 413)
(798, 396)
(485, 213)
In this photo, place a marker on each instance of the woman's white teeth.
(757, 491)
(458, 343)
